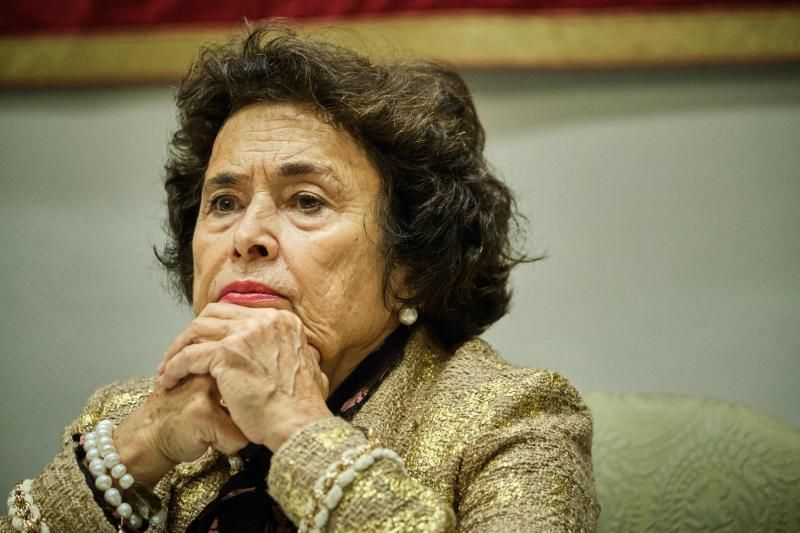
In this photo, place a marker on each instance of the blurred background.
(654, 148)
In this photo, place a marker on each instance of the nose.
(255, 236)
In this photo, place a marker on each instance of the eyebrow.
(222, 181)
(286, 170)
(300, 168)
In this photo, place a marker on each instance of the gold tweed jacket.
(487, 447)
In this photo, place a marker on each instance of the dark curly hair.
(444, 216)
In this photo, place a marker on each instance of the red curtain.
(49, 16)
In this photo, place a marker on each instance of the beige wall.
(667, 202)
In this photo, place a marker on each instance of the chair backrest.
(681, 463)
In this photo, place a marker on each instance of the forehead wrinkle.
(308, 159)
(306, 146)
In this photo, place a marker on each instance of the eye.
(224, 204)
(307, 202)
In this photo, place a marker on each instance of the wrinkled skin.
(288, 202)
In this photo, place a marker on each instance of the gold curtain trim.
(470, 40)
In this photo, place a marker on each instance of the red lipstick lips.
(248, 293)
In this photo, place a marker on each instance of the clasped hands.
(258, 360)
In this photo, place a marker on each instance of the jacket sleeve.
(60, 491)
(525, 466)
(529, 468)
(381, 498)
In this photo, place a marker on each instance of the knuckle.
(285, 320)
(236, 342)
(252, 325)
(293, 319)
(212, 309)
(217, 367)
(269, 318)
(198, 410)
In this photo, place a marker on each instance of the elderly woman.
(337, 230)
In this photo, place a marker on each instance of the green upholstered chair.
(681, 463)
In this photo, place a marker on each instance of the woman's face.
(289, 202)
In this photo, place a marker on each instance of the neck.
(338, 373)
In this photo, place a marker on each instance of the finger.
(284, 324)
(226, 436)
(199, 330)
(228, 311)
(313, 352)
(324, 384)
(217, 429)
(193, 359)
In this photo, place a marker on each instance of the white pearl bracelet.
(329, 488)
(25, 515)
(104, 460)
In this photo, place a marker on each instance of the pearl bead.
(106, 449)
(350, 453)
(92, 453)
(103, 482)
(135, 520)
(159, 518)
(110, 460)
(104, 439)
(346, 478)
(26, 485)
(124, 510)
(408, 315)
(118, 470)
(364, 462)
(334, 497)
(35, 512)
(113, 497)
(322, 518)
(126, 481)
(43, 528)
(96, 467)
(103, 430)
(10, 502)
(89, 436)
(88, 444)
(104, 423)
(17, 523)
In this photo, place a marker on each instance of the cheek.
(207, 255)
(198, 302)
(197, 266)
(325, 268)
(350, 275)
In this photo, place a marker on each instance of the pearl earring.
(408, 315)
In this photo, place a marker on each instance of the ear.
(398, 290)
